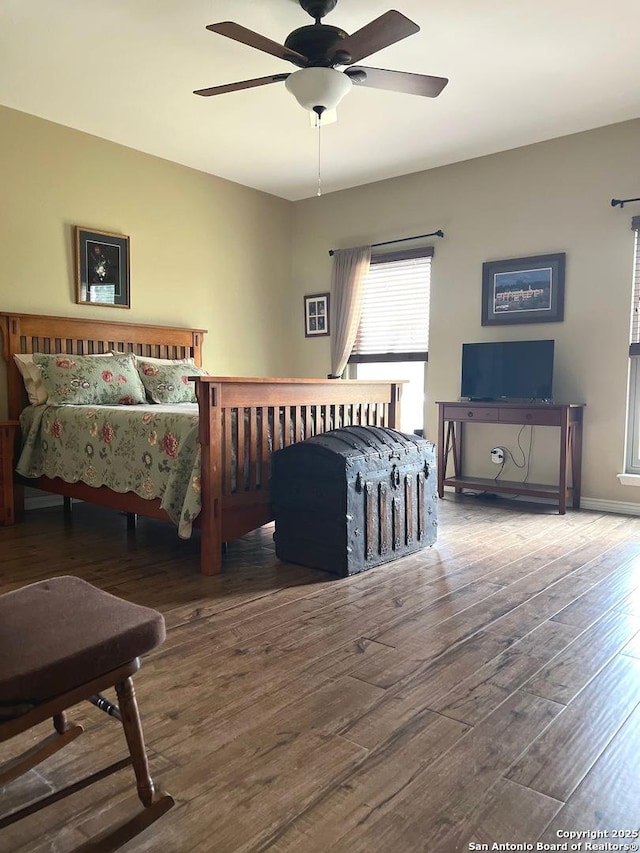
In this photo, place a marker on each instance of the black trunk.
(353, 498)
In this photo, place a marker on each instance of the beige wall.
(550, 197)
(204, 252)
(209, 253)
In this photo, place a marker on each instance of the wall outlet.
(497, 455)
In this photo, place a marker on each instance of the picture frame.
(523, 290)
(102, 268)
(316, 315)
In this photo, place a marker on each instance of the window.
(394, 322)
(633, 426)
(393, 335)
(412, 408)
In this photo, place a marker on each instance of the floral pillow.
(169, 383)
(84, 380)
(32, 378)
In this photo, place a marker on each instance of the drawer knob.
(469, 414)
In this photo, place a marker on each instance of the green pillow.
(169, 383)
(84, 380)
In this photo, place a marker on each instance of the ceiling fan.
(318, 48)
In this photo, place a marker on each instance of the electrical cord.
(523, 464)
(526, 457)
(526, 460)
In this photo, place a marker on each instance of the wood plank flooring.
(486, 690)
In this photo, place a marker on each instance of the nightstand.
(8, 433)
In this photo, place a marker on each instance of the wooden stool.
(63, 641)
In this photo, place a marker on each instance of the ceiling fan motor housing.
(318, 42)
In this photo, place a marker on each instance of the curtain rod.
(615, 202)
(438, 233)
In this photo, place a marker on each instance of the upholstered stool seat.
(82, 633)
(62, 641)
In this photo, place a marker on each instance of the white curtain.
(350, 267)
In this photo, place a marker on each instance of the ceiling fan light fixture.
(318, 89)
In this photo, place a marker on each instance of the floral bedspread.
(152, 450)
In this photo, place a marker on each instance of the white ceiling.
(520, 72)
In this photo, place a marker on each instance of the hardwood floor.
(485, 690)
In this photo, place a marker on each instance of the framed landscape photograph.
(316, 315)
(523, 290)
(102, 268)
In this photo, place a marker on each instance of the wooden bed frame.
(235, 500)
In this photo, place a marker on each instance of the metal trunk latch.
(395, 477)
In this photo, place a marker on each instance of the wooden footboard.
(242, 421)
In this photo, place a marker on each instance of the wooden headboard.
(28, 333)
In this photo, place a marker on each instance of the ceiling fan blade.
(244, 84)
(398, 81)
(385, 30)
(248, 37)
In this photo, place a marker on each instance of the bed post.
(16, 399)
(394, 405)
(10, 330)
(208, 394)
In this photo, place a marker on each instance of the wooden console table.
(567, 416)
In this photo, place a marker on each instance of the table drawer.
(470, 413)
(543, 417)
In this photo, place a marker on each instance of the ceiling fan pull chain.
(319, 190)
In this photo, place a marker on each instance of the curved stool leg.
(135, 740)
(155, 802)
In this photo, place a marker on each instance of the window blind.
(634, 347)
(394, 320)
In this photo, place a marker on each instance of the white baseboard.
(596, 504)
(619, 507)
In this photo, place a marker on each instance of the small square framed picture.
(316, 315)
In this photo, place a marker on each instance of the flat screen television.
(509, 370)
